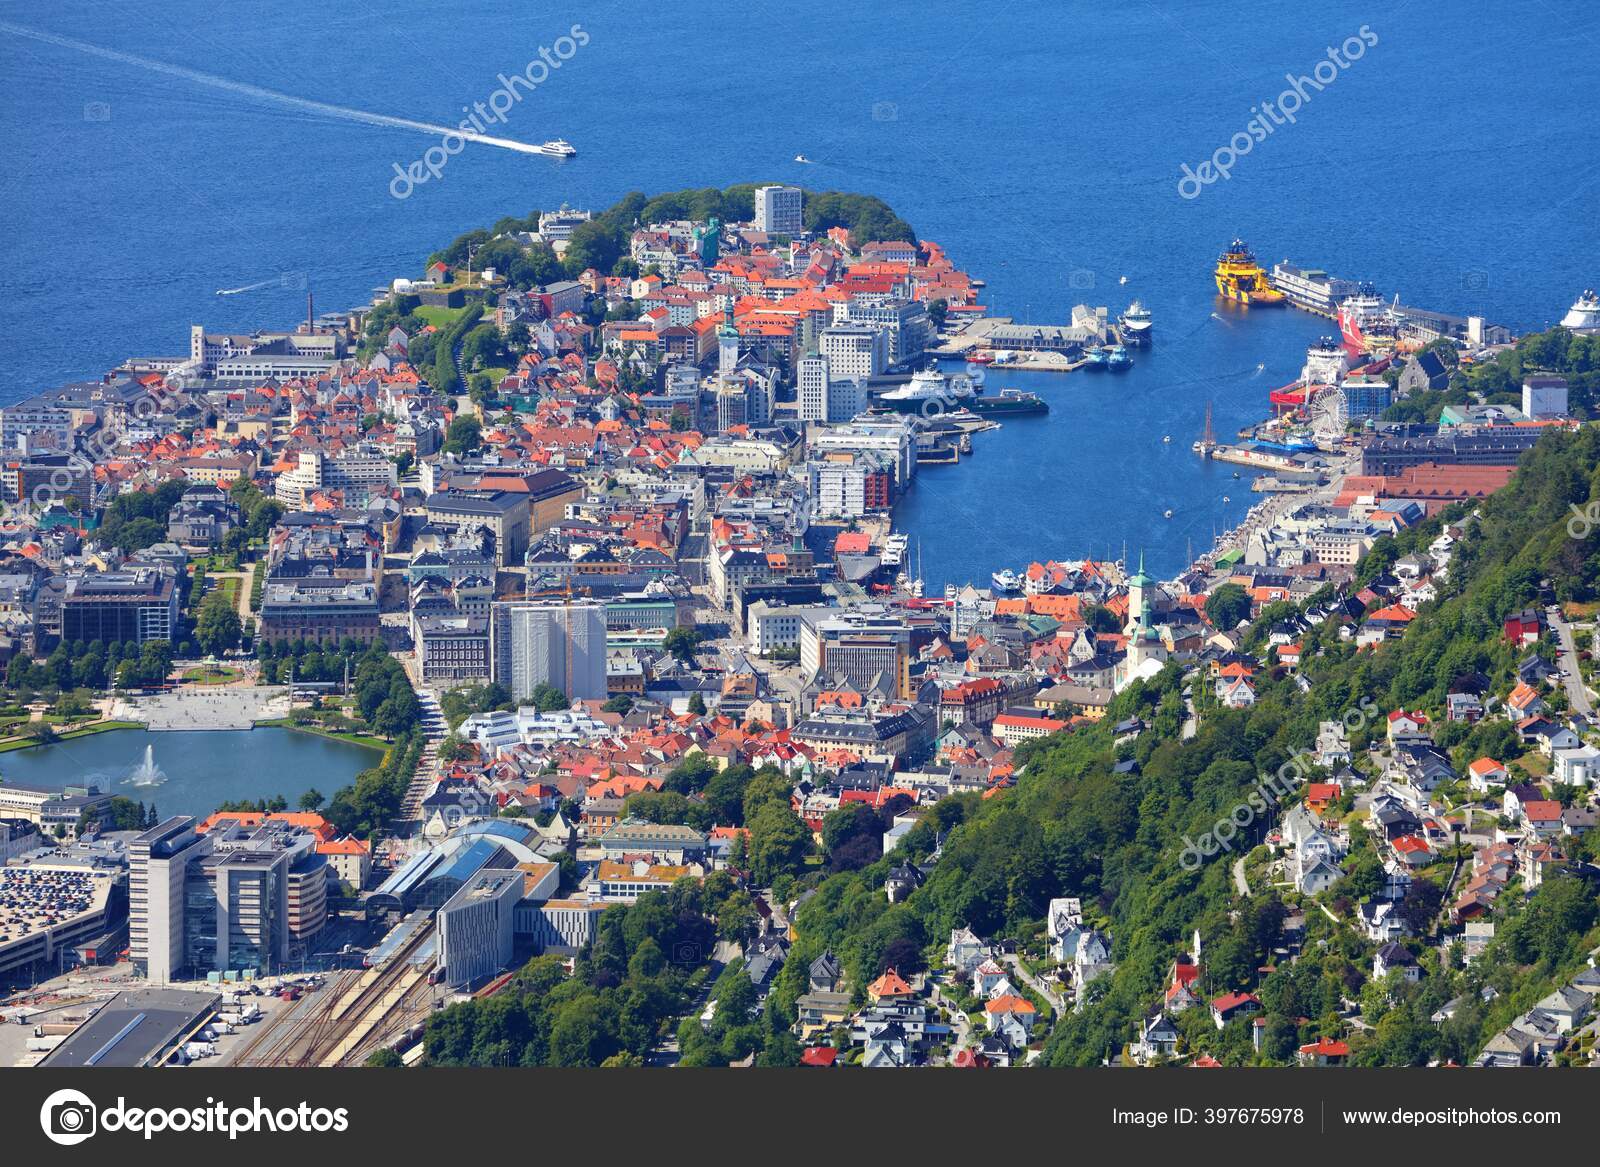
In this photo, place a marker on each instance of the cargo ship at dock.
(1367, 324)
(1007, 403)
(1244, 281)
(931, 392)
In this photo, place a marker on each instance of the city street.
(1567, 661)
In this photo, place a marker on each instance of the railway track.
(349, 1018)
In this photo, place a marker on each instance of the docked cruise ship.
(1584, 313)
(1312, 289)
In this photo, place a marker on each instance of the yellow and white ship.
(1241, 279)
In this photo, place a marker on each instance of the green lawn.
(221, 675)
(24, 743)
(358, 739)
(440, 318)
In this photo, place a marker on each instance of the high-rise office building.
(778, 210)
(811, 378)
(857, 351)
(535, 643)
(230, 897)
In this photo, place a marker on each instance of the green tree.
(1228, 605)
(218, 627)
(547, 698)
(778, 842)
(681, 642)
(464, 435)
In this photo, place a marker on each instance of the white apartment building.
(838, 488)
(778, 210)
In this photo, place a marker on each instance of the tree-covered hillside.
(1073, 826)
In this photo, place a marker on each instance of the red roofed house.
(1230, 1005)
(819, 1055)
(1325, 1051)
(1486, 772)
(1542, 816)
(1320, 796)
(350, 858)
(1403, 724)
(1010, 1005)
(889, 987)
(1412, 850)
(1524, 701)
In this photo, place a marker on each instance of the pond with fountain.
(185, 772)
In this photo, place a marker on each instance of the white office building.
(857, 351)
(359, 473)
(1544, 398)
(775, 626)
(158, 869)
(536, 643)
(811, 379)
(778, 210)
(823, 397)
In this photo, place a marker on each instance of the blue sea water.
(1041, 143)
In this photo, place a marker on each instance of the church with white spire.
(1146, 653)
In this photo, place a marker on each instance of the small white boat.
(1166, 438)
(1005, 581)
(559, 148)
(801, 158)
(1167, 514)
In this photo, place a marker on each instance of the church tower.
(1145, 651)
(727, 345)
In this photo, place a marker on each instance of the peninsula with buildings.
(586, 528)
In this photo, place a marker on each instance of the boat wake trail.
(249, 287)
(342, 112)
